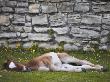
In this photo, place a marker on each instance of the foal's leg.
(65, 58)
(66, 67)
(70, 68)
(78, 68)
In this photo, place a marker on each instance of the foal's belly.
(43, 68)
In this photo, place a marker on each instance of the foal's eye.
(5, 65)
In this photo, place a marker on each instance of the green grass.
(22, 55)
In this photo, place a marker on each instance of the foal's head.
(14, 66)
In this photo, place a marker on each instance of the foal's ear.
(6, 63)
(8, 60)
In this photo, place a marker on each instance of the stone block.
(65, 0)
(58, 20)
(21, 10)
(18, 28)
(76, 32)
(39, 29)
(81, 36)
(11, 3)
(7, 10)
(50, 8)
(87, 47)
(28, 24)
(4, 20)
(96, 8)
(19, 19)
(0, 10)
(62, 30)
(106, 27)
(104, 40)
(70, 47)
(38, 37)
(40, 20)
(2, 3)
(91, 19)
(65, 7)
(14, 45)
(22, 0)
(27, 45)
(106, 19)
(105, 32)
(31, 1)
(8, 35)
(28, 18)
(53, 0)
(27, 29)
(57, 1)
(14, 40)
(3, 42)
(82, 7)
(48, 45)
(22, 4)
(34, 8)
(41, 0)
(63, 39)
(101, 7)
(81, 0)
(96, 28)
(74, 18)
(4, 28)
(103, 47)
(94, 42)
(23, 35)
(25, 40)
(90, 33)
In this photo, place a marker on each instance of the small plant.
(108, 37)
(51, 32)
(62, 43)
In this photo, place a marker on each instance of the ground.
(23, 55)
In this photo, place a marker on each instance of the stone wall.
(73, 24)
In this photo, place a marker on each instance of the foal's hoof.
(27, 70)
(83, 69)
(104, 69)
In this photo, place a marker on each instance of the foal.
(54, 62)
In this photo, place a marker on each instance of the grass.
(23, 55)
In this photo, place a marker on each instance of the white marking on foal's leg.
(70, 68)
(89, 67)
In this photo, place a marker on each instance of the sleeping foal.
(54, 62)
